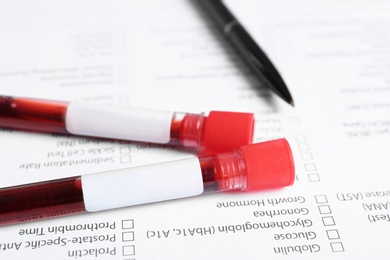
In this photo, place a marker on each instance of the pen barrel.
(257, 60)
(251, 52)
(216, 9)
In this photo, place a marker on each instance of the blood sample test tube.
(220, 131)
(251, 167)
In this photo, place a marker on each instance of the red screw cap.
(269, 164)
(225, 131)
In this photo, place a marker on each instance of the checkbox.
(124, 150)
(307, 156)
(324, 209)
(128, 224)
(303, 147)
(314, 177)
(125, 159)
(337, 247)
(333, 234)
(127, 236)
(321, 199)
(122, 98)
(301, 139)
(310, 167)
(128, 250)
(328, 221)
(123, 101)
(124, 104)
(295, 120)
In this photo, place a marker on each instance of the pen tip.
(292, 103)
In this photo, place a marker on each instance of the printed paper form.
(335, 59)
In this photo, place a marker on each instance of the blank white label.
(135, 124)
(144, 184)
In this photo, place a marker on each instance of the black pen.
(247, 47)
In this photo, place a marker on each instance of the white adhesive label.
(144, 184)
(135, 124)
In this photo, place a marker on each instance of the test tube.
(252, 167)
(219, 131)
